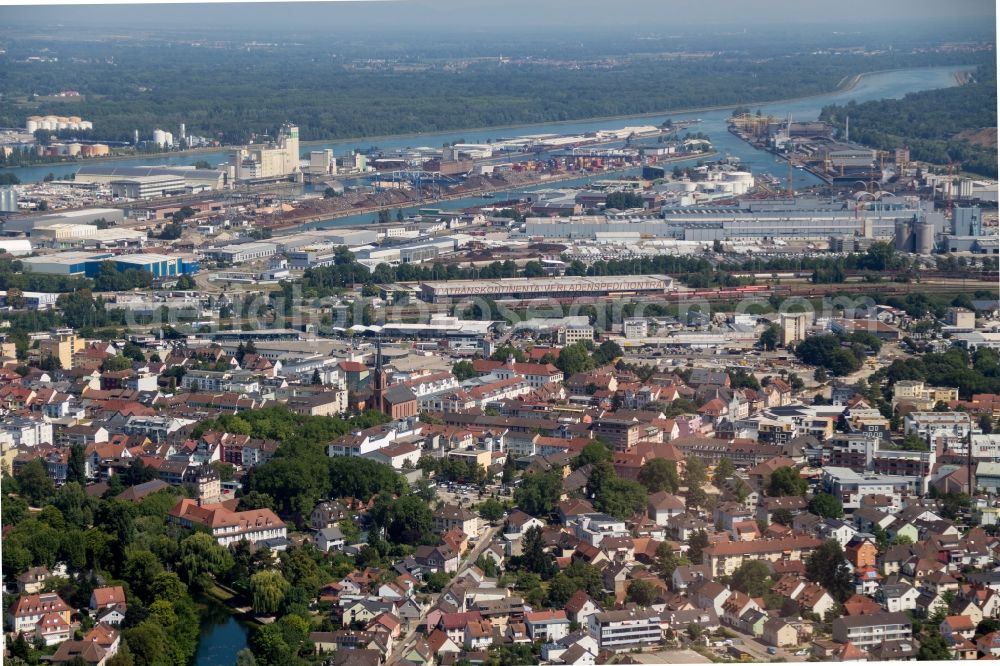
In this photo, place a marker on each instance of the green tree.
(436, 581)
(641, 592)
(76, 469)
(200, 558)
(826, 506)
(140, 570)
(534, 557)
(538, 494)
(933, 648)
(245, 658)
(696, 544)
(723, 472)
(406, 520)
(593, 453)
(149, 645)
(771, 337)
(660, 474)
(783, 517)
(667, 561)
(491, 510)
(827, 566)
(268, 590)
(694, 472)
(753, 578)
(463, 370)
(786, 482)
(575, 358)
(34, 482)
(621, 498)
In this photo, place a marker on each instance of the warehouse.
(559, 287)
(195, 179)
(64, 263)
(32, 300)
(88, 264)
(82, 216)
(796, 219)
(160, 265)
(17, 247)
(147, 187)
(242, 252)
(65, 236)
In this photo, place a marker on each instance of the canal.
(877, 85)
(221, 635)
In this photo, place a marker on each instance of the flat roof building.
(88, 264)
(242, 252)
(790, 219)
(147, 187)
(81, 216)
(194, 178)
(435, 292)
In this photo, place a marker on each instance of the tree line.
(927, 122)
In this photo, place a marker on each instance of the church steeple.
(379, 383)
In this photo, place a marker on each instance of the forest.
(231, 95)
(928, 122)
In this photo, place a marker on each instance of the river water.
(221, 637)
(878, 85)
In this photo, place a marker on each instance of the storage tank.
(925, 238)
(32, 124)
(904, 236)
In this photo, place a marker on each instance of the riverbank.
(845, 85)
(286, 227)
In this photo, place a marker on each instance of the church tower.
(378, 381)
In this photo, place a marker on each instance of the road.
(485, 538)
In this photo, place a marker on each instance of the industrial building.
(558, 287)
(148, 187)
(455, 332)
(409, 253)
(794, 327)
(33, 300)
(322, 162)
(65, 236)
(242, 252)
(17, 247)
(914, 236)
(194, 179)
(83, 216)
(967, 233)
(269, 160)
(788, 219)
(345, 237)
(967, 221)
(88, 264)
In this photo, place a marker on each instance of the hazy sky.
(487, 14)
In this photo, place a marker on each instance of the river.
(221, 636)
(877, 85)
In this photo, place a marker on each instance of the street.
(485, 535)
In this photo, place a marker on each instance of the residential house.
(547, 625)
